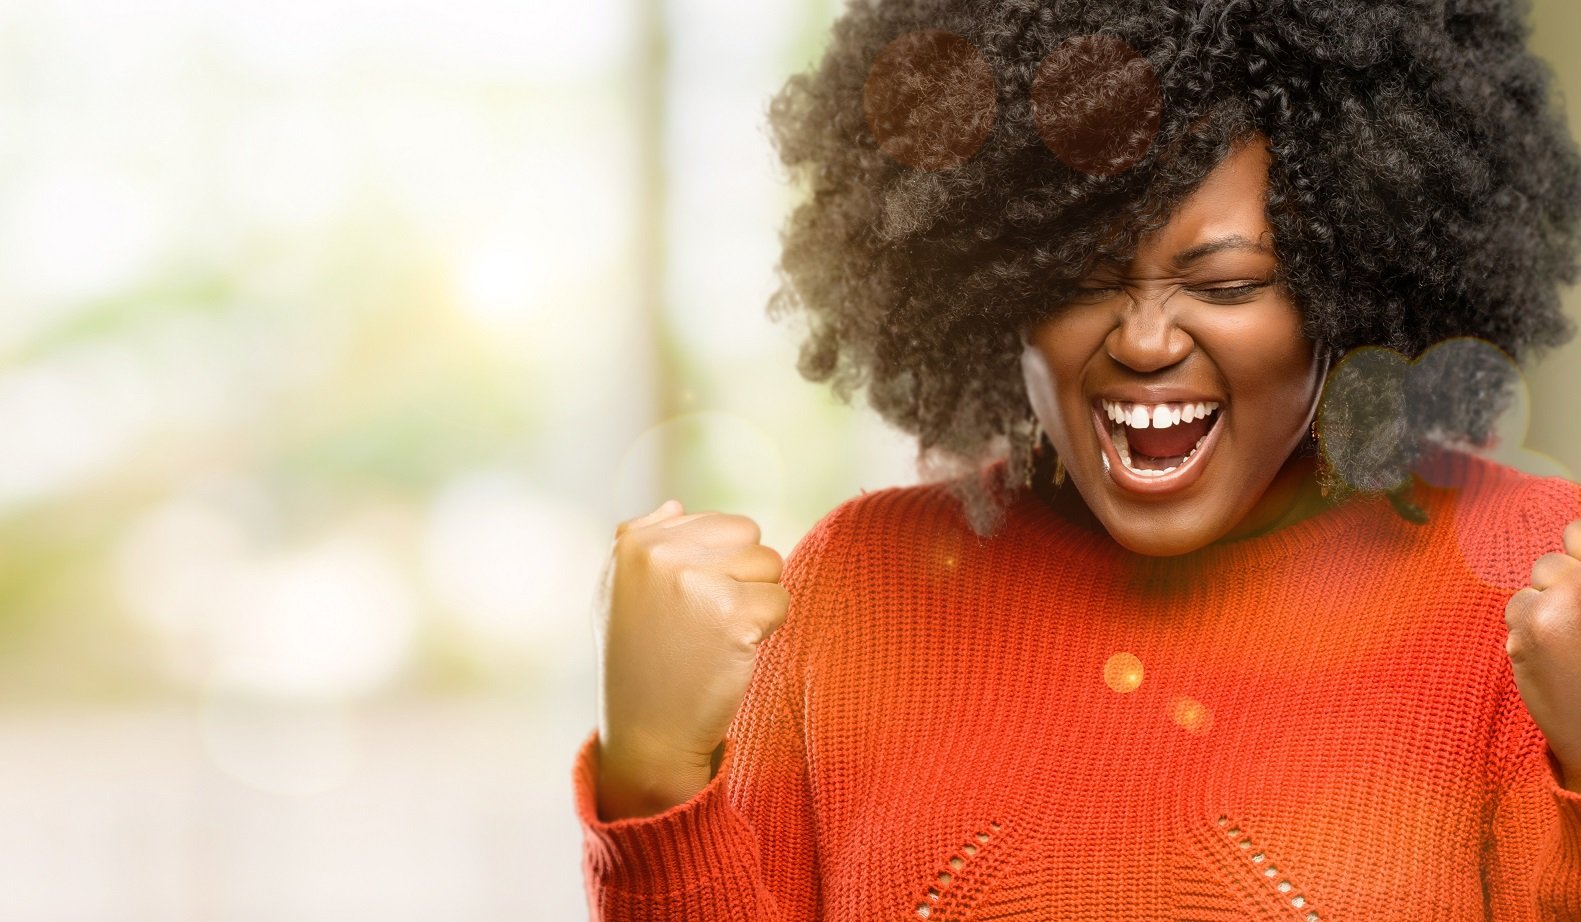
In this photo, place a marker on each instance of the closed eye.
(1230, 294)
(1094, 293)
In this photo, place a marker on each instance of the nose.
(1146, 337)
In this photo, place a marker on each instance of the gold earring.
(1032, 451)
(1320, 464)
(1032, 457)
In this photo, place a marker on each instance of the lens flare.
(929, 99)
(1191, 715)
(1123, 673)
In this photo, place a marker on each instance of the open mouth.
(1152, 448)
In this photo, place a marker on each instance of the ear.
(1322, 351)
(1324, 354)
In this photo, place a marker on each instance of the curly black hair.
(1424, 187)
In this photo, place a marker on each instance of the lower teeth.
(1122, 447)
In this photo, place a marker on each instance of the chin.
(1155, 544)
(1162, 532)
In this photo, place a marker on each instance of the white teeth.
(1122, 447)
(1157, 416)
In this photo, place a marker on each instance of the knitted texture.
(1319, 723)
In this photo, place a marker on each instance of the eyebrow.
(1219, 245)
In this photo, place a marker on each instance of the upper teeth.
(1157, 415)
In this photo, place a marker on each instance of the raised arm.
(742, 844)
(1532, 854)
(1533, 860)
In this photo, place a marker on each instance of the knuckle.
(1518, 609)
(768, 558)
(745, 524)
(764, 603)
(776, 606)
(1543, 570)
(1545, 628)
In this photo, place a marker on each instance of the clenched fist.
(1545, 649)
(685, 601)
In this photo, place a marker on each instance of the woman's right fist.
(685, 601)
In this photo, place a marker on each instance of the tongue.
(1166, 443)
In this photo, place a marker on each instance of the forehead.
(1232, 201)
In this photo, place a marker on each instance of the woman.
(1209, 617)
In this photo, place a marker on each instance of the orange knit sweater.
(1319, 723)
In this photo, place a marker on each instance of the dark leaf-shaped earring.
(1032, 457)
(1320, 463)
(1032, 451)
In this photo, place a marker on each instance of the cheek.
(1048, 374)
(1038, 378)
(1267, 359)
(1291, 372)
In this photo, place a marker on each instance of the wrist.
(1566, 773)
(636, 783)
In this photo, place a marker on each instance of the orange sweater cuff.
(680, 849)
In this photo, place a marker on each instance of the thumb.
(668, 508)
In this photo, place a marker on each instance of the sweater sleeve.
(1532, 858)
(744, 847)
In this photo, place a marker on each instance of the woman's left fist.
(1545, 649)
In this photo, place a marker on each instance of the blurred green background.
(336, 338)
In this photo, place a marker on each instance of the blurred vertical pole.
(1555, 427)
(653, 334)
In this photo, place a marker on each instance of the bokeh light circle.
(711, 459)
(929, 99)
(1122, 672)
(286, 745)
(512, 566)
(1097, 104)
(331, 619)
(1372, 386)
(1191, 715)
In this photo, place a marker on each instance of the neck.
(1294, 495)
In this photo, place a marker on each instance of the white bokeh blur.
(331, 359)
(330, 356)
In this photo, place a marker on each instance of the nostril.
(1148, 355)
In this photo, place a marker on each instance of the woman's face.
(1121, 375)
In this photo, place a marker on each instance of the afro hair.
(1424, 187)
